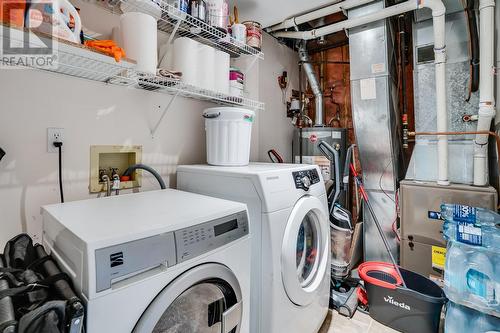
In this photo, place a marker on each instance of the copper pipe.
(497, 138)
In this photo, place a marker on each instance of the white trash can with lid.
(229, 133)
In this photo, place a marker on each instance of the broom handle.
(375, 219)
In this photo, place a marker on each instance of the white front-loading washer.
(164, 261)
(290, 239)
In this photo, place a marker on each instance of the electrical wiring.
(395, 223)
(380, 182)
(59, 145)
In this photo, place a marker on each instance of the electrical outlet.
(54, 135)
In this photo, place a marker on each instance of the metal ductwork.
(314, 83)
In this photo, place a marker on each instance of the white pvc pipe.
(350, 23)
(438, 15)
(497, 24)
(487, 110)
(317, 14)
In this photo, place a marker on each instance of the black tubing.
(333, 156)
(7, 315)
(132, 168)
(345, 177)
(474, 47)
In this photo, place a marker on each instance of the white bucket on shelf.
(229, 134)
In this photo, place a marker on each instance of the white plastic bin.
(229, 133)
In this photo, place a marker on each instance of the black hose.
(474, 47)
(345, 176)
(132, 168)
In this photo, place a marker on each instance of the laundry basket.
(229, 133)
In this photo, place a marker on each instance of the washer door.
(305, 250)
(205, 299)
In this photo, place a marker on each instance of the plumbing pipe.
(487, 110)
(497, 23)
(313, 81)
(438, 14)
(314, 15)
(353, 22)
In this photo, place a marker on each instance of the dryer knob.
(306, 182)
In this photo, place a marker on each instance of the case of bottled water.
(472, 272)
(463, 319)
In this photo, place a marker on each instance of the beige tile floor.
(360, 323)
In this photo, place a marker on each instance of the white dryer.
(290, 239)
(165, 261)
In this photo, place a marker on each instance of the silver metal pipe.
(314, 82)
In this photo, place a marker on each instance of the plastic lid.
(229, 113)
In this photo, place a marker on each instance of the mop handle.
(375, 219)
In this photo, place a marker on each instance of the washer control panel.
(194, 241)
(306, 178)
(122, 261)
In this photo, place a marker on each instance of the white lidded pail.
(229, 133)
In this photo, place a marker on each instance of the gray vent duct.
(313, 81)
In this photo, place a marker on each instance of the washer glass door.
(308, 243)
(305, 250)
(205, 299)
(198, 309)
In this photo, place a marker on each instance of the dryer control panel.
(194, 241)
(306, 178)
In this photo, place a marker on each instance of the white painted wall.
(97, 114)
(275, 129)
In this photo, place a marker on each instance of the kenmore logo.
(116, 259)
(390, 300)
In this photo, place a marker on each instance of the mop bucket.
(414, 309)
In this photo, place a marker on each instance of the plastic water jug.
(52, 18)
